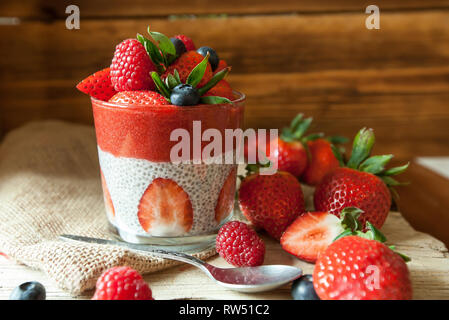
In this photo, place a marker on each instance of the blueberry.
(302, 289)
(213, 56)
(179, 46)
(184, 95)
(28, 291)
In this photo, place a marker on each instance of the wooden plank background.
(312, 56)
(315, 57)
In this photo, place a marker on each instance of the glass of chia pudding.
(148, 197)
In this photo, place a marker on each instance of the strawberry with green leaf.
(164, 55)
(363, 182)
(311, 233)
(322, 159)
(188, 93)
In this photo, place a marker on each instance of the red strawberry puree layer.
(144, 132)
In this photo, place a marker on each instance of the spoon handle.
(172, 255)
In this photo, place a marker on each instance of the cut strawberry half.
(98, 85)
(165, 209)
(107, 197)
(225, 202)
(310, 235)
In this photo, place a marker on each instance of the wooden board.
(325, 65)
(49, 10)
(429, 271)
(425, 201)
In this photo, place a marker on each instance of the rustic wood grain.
(425, 201)
(428, 269)
(395, 80)
(49, 10)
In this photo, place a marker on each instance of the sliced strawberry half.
(165, 209)
(107, 197)
(225, 202)
(98, 85)
(310, 235)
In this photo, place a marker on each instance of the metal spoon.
(248, 279)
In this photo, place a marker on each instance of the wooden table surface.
(429, 271)
(429, 266)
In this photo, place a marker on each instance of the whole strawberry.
(322, 161)
(363, 183)
(188, 43)
(131, 67)
(291, 153)
(98, 85)
(355, 268)
(271, 202)
(240, 245)
(184, 66)
(221, 89)
(122, 283)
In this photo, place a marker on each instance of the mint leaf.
(214, 100)
(197, 73)
(161, 86)
(171, 81)
(153, 52)
(165, 45)
(176, 74)
(214, 80)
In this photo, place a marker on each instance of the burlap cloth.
(50, 185)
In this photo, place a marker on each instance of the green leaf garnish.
(165, 45)
(153, 52)
(171, 81)
(214, 100)
(161, 86)
(197, 73)
(214, 80)
(176, 74)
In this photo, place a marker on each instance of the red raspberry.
(122, 283)
(131, 67)
(240, 245)
(188, 43)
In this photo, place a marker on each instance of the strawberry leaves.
(362, 160)
(361, 148)
(349, 221)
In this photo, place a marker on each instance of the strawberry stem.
(349, 218)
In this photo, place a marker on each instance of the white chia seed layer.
(128, 178)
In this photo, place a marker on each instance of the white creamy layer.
(128, 178)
